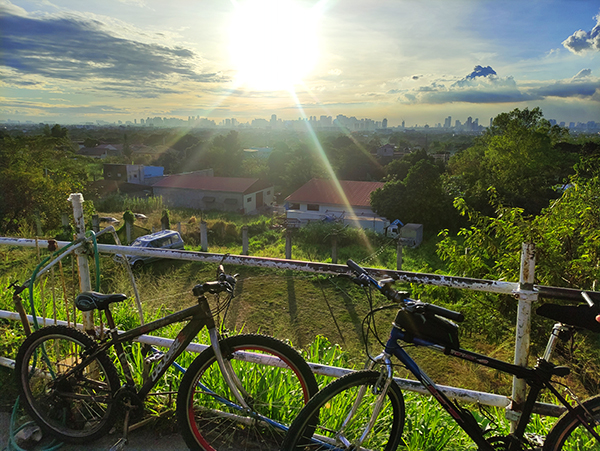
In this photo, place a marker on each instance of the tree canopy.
(519, 157)
(37, 175)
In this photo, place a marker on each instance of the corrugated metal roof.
(204, 183)
(319, 191)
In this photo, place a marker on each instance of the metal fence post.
(96, 223)
(334, 248)
(399, 254)
(288, 244)
(526, 295)
(82, 262)
(203, 236)
(244, 240)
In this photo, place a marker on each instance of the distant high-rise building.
(448, 122)
(384, 123)
(402, 124)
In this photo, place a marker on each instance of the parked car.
(165, 239)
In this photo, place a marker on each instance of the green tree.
(353, 160)
(519, 157)
(37, 174)
(127, 152)
(567, 238)
(419, 198)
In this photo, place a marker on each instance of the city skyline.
(340, 122)
(414, 62)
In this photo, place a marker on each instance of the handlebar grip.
(450, 314)
(354, 267)
(209, 287)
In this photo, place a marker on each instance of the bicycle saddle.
(581, 315)
(90, 300)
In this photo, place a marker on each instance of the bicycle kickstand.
(123, 440)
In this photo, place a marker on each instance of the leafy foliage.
(519, 156)
(418, 198)
(37, 175)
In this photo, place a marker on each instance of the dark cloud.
(484, 86)
(480, 71)
(579, 89)
(583, 73)
(479, 75)
(583, 41)
(74, 48)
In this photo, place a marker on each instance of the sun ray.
(330, 171)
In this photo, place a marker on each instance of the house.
(386, 150)
(245, 195)
(257, 152)
(324, 200)
(102, 151)
(132, 173)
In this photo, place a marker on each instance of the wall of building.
(212, 200)
(325, 209)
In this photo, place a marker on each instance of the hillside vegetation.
(523, 180)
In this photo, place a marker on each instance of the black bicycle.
(365, 409)
(238, 394)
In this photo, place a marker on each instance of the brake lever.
(362, 280)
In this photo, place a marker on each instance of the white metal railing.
(525, 291)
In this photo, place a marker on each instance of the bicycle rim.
(337, 417)
(569, 434)
(212, 419)
(77, 408)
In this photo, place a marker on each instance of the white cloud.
(583, 41)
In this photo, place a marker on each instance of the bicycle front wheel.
(341, 417)
(210, 418)
(570, 434)
(70, 401)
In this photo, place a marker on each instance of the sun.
(273, 43)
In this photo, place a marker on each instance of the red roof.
(204, 183)
(318, 191)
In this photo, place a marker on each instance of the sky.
(418, 61)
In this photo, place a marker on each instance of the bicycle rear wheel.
(210, 417)
(569, 433)
(73, 406)
(321, 426)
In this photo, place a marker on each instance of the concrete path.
(141, 439)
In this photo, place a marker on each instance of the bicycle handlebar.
(226, 283)
(398, 296)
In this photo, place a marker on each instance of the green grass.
(319, 315)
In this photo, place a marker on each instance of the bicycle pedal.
(119, 445)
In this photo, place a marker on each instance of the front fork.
(380, 389)
(233, 382)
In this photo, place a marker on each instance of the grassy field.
(320, 315)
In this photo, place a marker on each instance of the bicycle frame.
(537, 378)
(197, 316)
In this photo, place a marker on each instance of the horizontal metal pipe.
(467, 283)
(460, 394)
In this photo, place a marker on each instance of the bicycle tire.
(570, 434)
(209, 424)
(77, 409)
(323, 415)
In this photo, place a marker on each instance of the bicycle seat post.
(110, 321)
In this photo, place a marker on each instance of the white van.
(165, 239)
